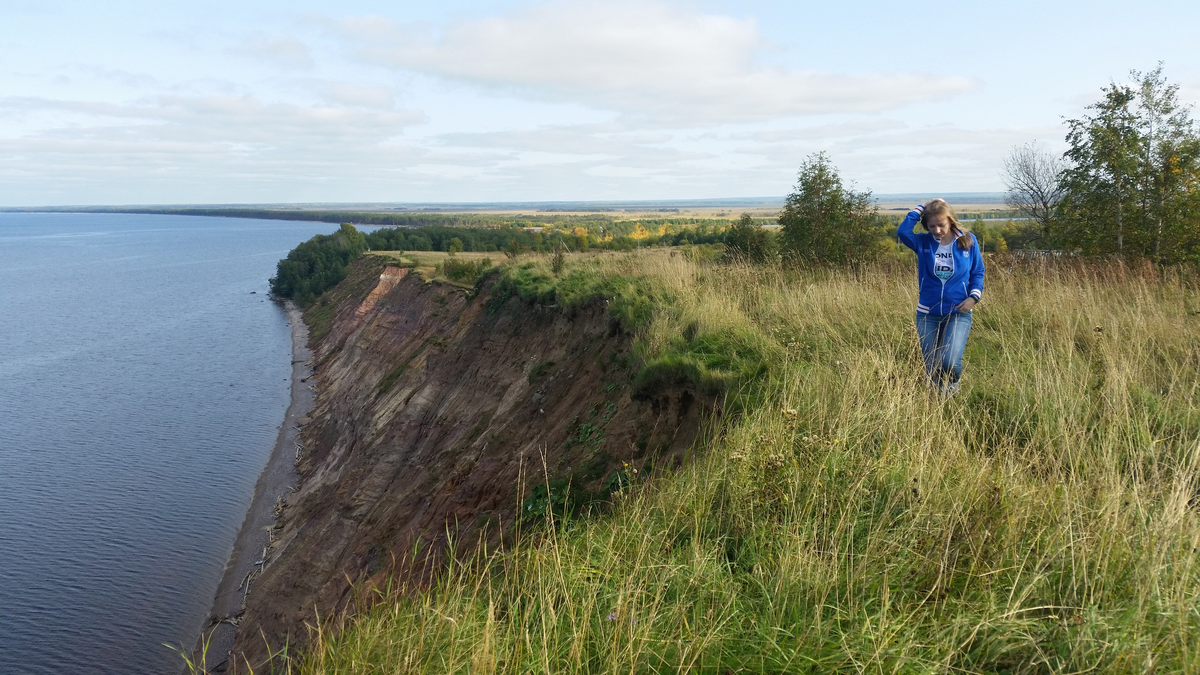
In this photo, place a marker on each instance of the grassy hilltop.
(842, 519)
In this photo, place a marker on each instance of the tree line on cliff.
(317, 265)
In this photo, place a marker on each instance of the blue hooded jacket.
(935, 296)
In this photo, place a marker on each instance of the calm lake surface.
(141, 389)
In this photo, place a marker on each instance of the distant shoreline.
(394, 213)
(277, 480)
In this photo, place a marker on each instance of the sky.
(364, 101)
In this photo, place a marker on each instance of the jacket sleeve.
(976, 283)
(905, 231)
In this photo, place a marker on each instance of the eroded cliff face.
(433, 401)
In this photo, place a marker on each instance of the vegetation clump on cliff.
(845, 520)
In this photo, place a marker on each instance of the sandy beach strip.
(274, 483)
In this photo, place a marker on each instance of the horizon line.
(716, 202)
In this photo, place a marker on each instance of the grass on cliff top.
(1046, 520)
(653, 295)
(432, 265)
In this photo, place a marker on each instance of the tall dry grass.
(844, 519)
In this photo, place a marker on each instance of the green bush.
(824, 222)
(749, 242)
(465, 271)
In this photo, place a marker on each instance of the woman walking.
(950, 284)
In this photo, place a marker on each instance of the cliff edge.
(440, 411)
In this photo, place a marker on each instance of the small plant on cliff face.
(538, 371)
(552, 499)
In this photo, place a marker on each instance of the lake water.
(142, 385)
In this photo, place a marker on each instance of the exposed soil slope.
(432, 403)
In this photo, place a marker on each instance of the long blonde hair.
(939, 207)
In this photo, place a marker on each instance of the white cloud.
(579, 139)
(286, 52)
(645, 59)
(358, 95)
(856, 127)
(231, 117)
(616, 100)
(124, 78)
(200, 147)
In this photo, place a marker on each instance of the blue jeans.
(943, 339)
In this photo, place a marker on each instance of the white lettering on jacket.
(943, 261)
